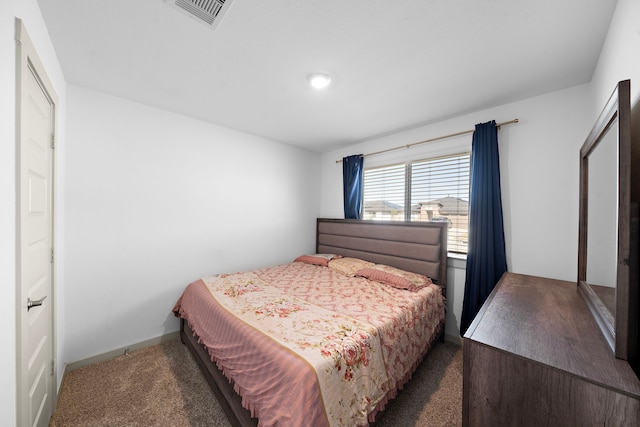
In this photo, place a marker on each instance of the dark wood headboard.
(420, 247)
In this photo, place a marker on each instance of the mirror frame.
(615, 328)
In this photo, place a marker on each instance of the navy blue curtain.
(486, 257)
(352, 186)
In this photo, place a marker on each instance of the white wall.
(539, 178)
(620, 60)
(156, 200)
(29, 12)
(539, 161)
(620, 56)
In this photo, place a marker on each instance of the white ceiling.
(394, 65)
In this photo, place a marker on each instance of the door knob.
(36, 303)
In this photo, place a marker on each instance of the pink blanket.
(306, 345)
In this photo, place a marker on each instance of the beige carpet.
(162, 386)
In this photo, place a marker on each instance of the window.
(425, 190)
(384, 193)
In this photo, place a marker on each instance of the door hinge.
(53, 141)
(53, 366)
(52, 256)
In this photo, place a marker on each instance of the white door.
(35, 362)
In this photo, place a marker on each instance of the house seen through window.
(434, 189)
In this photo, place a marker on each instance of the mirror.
(602, 228)
(604, 243)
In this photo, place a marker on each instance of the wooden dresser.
(534, 356)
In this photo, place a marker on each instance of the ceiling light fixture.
(319, 81)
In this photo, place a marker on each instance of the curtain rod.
(451, 135)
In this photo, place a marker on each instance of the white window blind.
(384, 193)
(434, 189)
(440, 192)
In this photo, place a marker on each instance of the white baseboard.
(119, 352)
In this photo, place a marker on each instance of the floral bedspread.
(406, 321)
(362, 338)
(344, 351)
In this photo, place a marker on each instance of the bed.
(326, 339)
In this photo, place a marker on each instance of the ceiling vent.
(208, 12)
